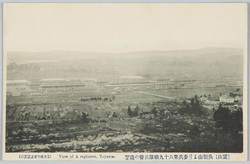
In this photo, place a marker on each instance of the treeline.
(136, 112)
(23, 67)
(194, 107)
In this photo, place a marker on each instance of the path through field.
(162, 96)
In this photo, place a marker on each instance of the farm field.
(54, 123)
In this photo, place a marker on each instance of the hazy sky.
(120, 27)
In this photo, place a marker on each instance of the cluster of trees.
(99, 99)
(23, 67)
(134, 113)
(85, 117)
(228, 121)
(194, 107)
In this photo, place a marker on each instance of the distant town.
(123, 84)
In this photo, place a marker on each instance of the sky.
(123, 27)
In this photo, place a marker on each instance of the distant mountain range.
(54, 55)
(217, 62)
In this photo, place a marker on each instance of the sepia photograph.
(128, 79)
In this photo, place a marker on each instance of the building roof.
(55, 79)
(63, 83)
(131, 77)
(17, 81)
(227, 97)
(127, 85)
(182, 80)
(163, 79)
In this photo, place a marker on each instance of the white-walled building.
(227, 99)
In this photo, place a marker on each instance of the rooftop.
(131, 77)
(227, 97)
(17, 81)
(56, 79)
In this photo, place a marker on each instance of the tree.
(197, 107)
(85, 118)
(222, 118)
(185, 108)
(154, 111)
(129, 112)
(230, 122)
(136, 111)
(192, 102)
(236, 120)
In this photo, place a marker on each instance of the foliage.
(154, 111)
(134, 113)
(228, 121)
(194, 107)
(85, 118)
(212, 143)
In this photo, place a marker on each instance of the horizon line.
(82, 51)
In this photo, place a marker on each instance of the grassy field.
(186, 93)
